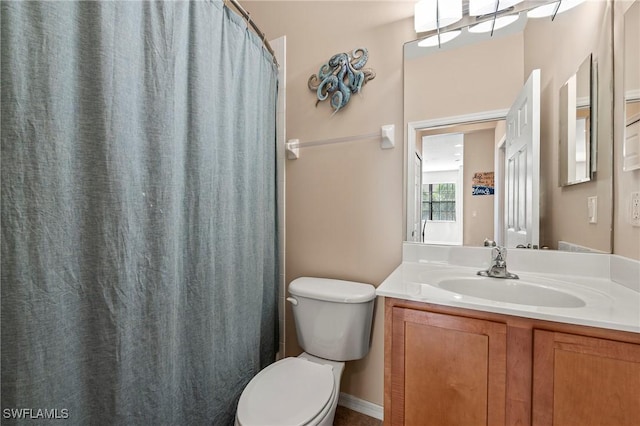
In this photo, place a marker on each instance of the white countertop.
(607, 304)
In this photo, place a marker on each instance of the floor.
(347, 417)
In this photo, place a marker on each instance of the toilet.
(333, 324)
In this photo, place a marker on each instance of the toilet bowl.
(333, 324)
(294, 391)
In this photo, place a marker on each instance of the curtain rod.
(247, 16)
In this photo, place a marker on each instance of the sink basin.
(520, 292)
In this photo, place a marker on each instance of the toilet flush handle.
(293, 301)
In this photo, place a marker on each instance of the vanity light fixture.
(486, 7)
(481, 8)
(440, 21)
(496, 24)
(543, 11)
(553, 9)
(435, 14)
(438, 39)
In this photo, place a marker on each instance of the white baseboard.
(361, 406)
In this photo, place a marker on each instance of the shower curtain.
(139, 257)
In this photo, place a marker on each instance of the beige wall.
(483, 77)
(343, 202)
(558, 48)
(478, 210)
(626, 238)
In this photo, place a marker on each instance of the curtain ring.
(248, 19)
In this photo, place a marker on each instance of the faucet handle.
(489, 243)
(499, 253)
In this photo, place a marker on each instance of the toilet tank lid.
(332, 290)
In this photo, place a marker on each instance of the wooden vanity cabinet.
(446, 368)
(583, 381)
(451, 366)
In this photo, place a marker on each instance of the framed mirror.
(631, 147)
(479, 80)
(577, 118)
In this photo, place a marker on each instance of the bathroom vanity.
(452, 357)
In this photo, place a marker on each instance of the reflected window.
(439, 202)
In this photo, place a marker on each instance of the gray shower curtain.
(139, 257)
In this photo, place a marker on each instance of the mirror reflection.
(482, 79)
(576, 119)
(457, 206)
(631, 148)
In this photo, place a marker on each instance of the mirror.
(631, 147)
(480, 79)
(577, 116)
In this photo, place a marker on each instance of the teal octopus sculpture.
(340, 77)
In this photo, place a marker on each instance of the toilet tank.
(332, 317)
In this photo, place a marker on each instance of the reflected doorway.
(458, 195)
(441, 191)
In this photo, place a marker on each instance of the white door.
(522, 167)
(417, 193)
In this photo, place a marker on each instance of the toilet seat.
(292, 391)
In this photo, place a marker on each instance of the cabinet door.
(583, 381)
(447, 370)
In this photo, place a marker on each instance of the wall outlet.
(634, 216)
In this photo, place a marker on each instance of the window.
(439, 201)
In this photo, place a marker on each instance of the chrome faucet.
(498, 268)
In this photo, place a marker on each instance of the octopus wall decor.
(340, 77)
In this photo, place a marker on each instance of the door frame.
(499, 227)
(413, 127)
(416, 233)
